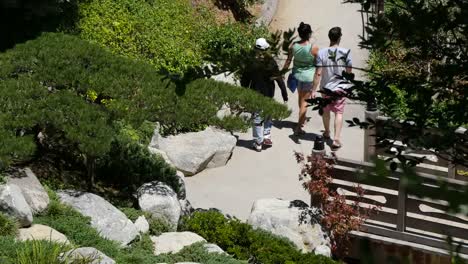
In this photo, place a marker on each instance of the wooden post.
(401, 209)
(380, 7)
(458, 171)
(369, 134)
(318, 150)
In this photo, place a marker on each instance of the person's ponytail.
(304, 30)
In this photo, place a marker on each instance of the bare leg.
(338, 126)
(326, 122)
(303, 96)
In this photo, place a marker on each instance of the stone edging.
(268, 12)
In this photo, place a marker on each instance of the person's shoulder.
(344, 50)
(323, 51)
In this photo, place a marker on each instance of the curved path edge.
(268, 12)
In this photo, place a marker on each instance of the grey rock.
(13, 203)
(161, 201)
(213, 248)
(193, 152)
(88, 253)
(323, 250)
(106, 218)
(41, 232)
(162, 154)
(290, 219)
(186, 206)
(223, 112)
(174, 242)
(182, 190)
(33, 191)
(142, 224)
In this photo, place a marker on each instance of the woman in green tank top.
(303, 53)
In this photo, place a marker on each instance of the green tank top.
(303, 64)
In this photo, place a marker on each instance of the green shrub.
(35, 252)
(132, 213)
(228, 46)
(41, 252)
(78, 95)
(196, 253)
(8, 225)
(163, 33)
(130, 161)
(159, 226)
(244, 242)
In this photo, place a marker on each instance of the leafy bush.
(228, 46)
(158, 226)
(35, 252)
(50, 80)
(8, 226)
(196, 253)
(130, 161)
(163, 33)
(243, 241)
(132, 213)
(41, 252)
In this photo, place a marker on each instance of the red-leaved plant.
(340, 216)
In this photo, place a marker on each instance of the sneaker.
(257, 147)
(267, 142)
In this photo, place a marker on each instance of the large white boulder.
(194, 152)
(290, 219)
(106, 218)
(41, 232)
(13, 203)
(88, 253)
(160, 201)
(33, 191)
(173, 242)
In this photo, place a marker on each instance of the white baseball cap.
(262, 44)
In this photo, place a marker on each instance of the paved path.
(273, 173)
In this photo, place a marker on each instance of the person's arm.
(282, 86)
(288, 60)
(276, 75)
(318, 70)
(317, 80)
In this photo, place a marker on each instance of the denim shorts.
(305, 86)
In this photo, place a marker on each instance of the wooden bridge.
(406, 220)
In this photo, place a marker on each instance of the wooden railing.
(438, 166)
(403, 216)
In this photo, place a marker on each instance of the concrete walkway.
(273, 173)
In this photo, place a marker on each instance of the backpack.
(338, 85)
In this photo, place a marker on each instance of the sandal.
(299, 131)
(326, 135)
(336, 145)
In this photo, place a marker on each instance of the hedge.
(246, 243)
(78, 94)
(163, 33)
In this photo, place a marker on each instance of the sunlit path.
(273, 173)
